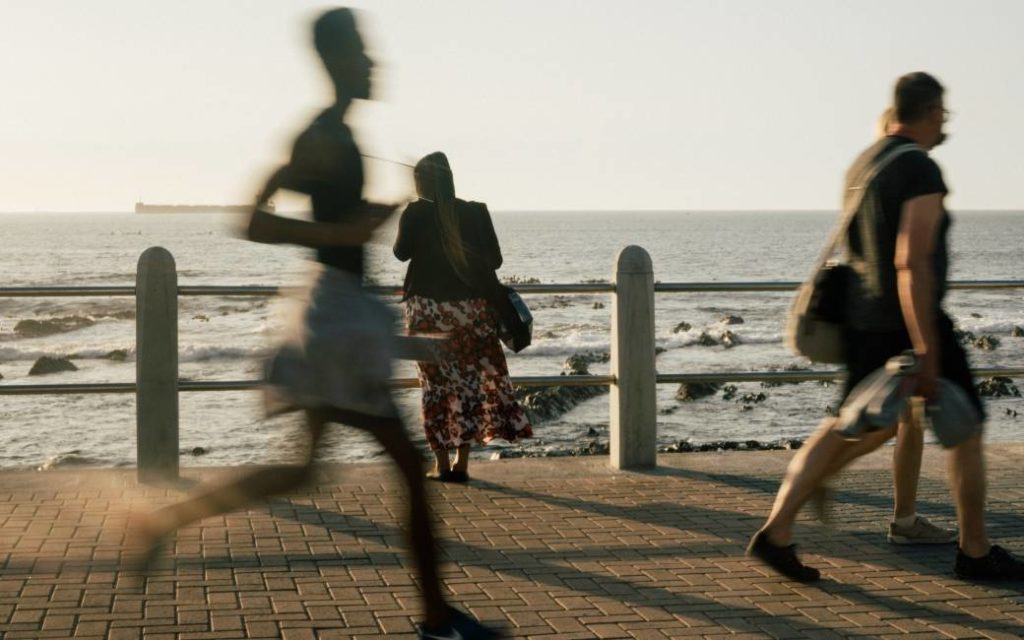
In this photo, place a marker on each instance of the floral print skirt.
(467, 396)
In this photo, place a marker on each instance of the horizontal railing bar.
(521, 381)
(412, 383)
(65, 292)
(801, 376)
(243, 385)
(61, 389)
(588, 287)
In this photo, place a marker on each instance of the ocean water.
(225, 338)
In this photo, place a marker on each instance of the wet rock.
(1, 376)
(520, 280)
(547, 403)
(201, 317)
(46, 365)
(659, 350)
(705, 340)
(789, 367)
(730, 340)
(1012, 413)
(667, 411)
(591, 431)
(729, 392)
(963, 336)
(998, 387)
(117, 355)
(731, 319)
(829, 411)
(195, 451)
(987, 343)
(599, 305)
(682, 327)
(975, 315)
(690, 391)
(51, 326)
(753, 398)
(792, 445)
(1017, 332)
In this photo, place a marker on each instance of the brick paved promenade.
(551, 548)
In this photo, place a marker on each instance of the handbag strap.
(851, 209)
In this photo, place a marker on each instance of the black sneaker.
(782, 559)
(460, 627)
(998, 564)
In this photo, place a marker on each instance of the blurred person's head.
(435, 183)
(919, 108)
(886, 122)
(337, 41)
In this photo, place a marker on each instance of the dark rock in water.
(975, 315)
(731, 319)
(599, 305)
(789, 367)
(201, 317)
(792, 445)
(1018, 332)
(117, 355)
(591, 431)
(51, 326)
(46, 365)
(667, 411)
(1, 376)
(998, 387)
(513, 280)
(577, 363)
(753, 398)
(690, 391)
(659, 350)
(547, 403)
(730, 339)
(706, 340)
(682, 326)
(987, 343)
(963, 336)
(1012, 413)
(729, 392)
(829, 411)
(195, 451)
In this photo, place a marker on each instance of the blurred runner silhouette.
(336, 364)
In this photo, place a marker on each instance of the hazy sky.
(540, 104)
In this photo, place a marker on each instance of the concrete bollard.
(156, 368)
(633, 404)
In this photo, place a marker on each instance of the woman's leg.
(462, 460)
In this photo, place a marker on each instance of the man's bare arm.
(915, 249)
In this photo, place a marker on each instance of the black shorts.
(867, 351)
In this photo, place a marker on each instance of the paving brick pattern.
(561, 548)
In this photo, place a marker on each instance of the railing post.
(633, 396)
(156, 367)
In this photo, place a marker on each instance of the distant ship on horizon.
(142, 207)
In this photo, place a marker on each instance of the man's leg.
(822, 456)
(248, 489)
(390, 433)
(967, 483)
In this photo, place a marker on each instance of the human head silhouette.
(340, 47)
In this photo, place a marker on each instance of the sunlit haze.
(541, 104)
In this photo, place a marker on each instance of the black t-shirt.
(326, 165)
(871, 238)
(430, 273)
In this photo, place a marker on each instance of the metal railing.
(632, 375)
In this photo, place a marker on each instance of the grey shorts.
(337, 352)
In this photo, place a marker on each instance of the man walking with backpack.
(898, 251)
